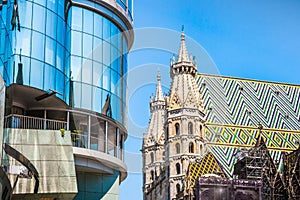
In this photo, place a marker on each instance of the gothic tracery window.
(152, 157)
(177, 146)
(177, 168)
(190, 128)
(191, 147)
(177, 128)
(178, 188)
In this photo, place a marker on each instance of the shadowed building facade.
(64, 64)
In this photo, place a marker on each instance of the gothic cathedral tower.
(175, 136)
(153, 143)
(185, 120)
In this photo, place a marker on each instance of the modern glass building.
(64, 65)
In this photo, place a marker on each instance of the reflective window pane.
(76, 68)
(76, 18)
(88, 19)
(38, 45)
(38, 17)
(87, 71)
(87, 46)
(76, 43)
(86, 102)
(50, 51)
(36, 73)
(51, 19)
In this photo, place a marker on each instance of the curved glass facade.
(41, 44)
(80, 53)
(98, 62)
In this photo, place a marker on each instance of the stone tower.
(153, 143)
(175, 135)
(185, 120)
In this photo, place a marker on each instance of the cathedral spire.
(158, 94)
(183, 54)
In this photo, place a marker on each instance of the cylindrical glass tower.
(64, 63)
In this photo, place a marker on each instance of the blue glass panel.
(60, 55)
(61, 31)
(87, 71)
(38, 18)
(106, 29)
(106, 53)
(49, 77)
(42, 2)
(52, 21)
(106, 78)
(76, 68)
(60, 83)
(104, 96)
(86, 96)
(114, 59)
(60, 9)
(23, 42)
(76, 18)
(114, 35)
(87, 46)
(50, 51)
(37, 48)
(88, 21)
(115, 84)
(98, 21)
(97, 74)
(97, 104)
(52, 5)
(36, 73)
(25, 7)
(97, 50)
(77, 94)
(76, 43)
(114, 108)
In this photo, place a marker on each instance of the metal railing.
(28, 122)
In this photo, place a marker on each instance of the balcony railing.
(107, 140)
(28, 122)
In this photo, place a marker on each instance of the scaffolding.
(257, 164)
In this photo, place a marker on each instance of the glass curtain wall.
(98, 63)
(39, 46)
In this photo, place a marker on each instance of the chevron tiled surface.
(235, 107)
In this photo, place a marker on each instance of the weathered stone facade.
(175, 136)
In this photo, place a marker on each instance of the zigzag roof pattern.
(234, 108)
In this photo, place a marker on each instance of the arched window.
(167, 133)
(177, 188)
(191, 147)
(177, 168)
(152, 157)
(190, 128)
(201, 147)
(200, 128)
(177, 129)
(152, 175)
(177, 146)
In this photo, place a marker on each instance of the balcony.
(88, 131)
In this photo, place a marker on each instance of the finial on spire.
(183, 54)
(182, 28)
(159, 94)
(158, 75)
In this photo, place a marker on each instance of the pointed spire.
(158, 94)
(183, 54)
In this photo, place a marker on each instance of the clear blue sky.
(251, 39)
